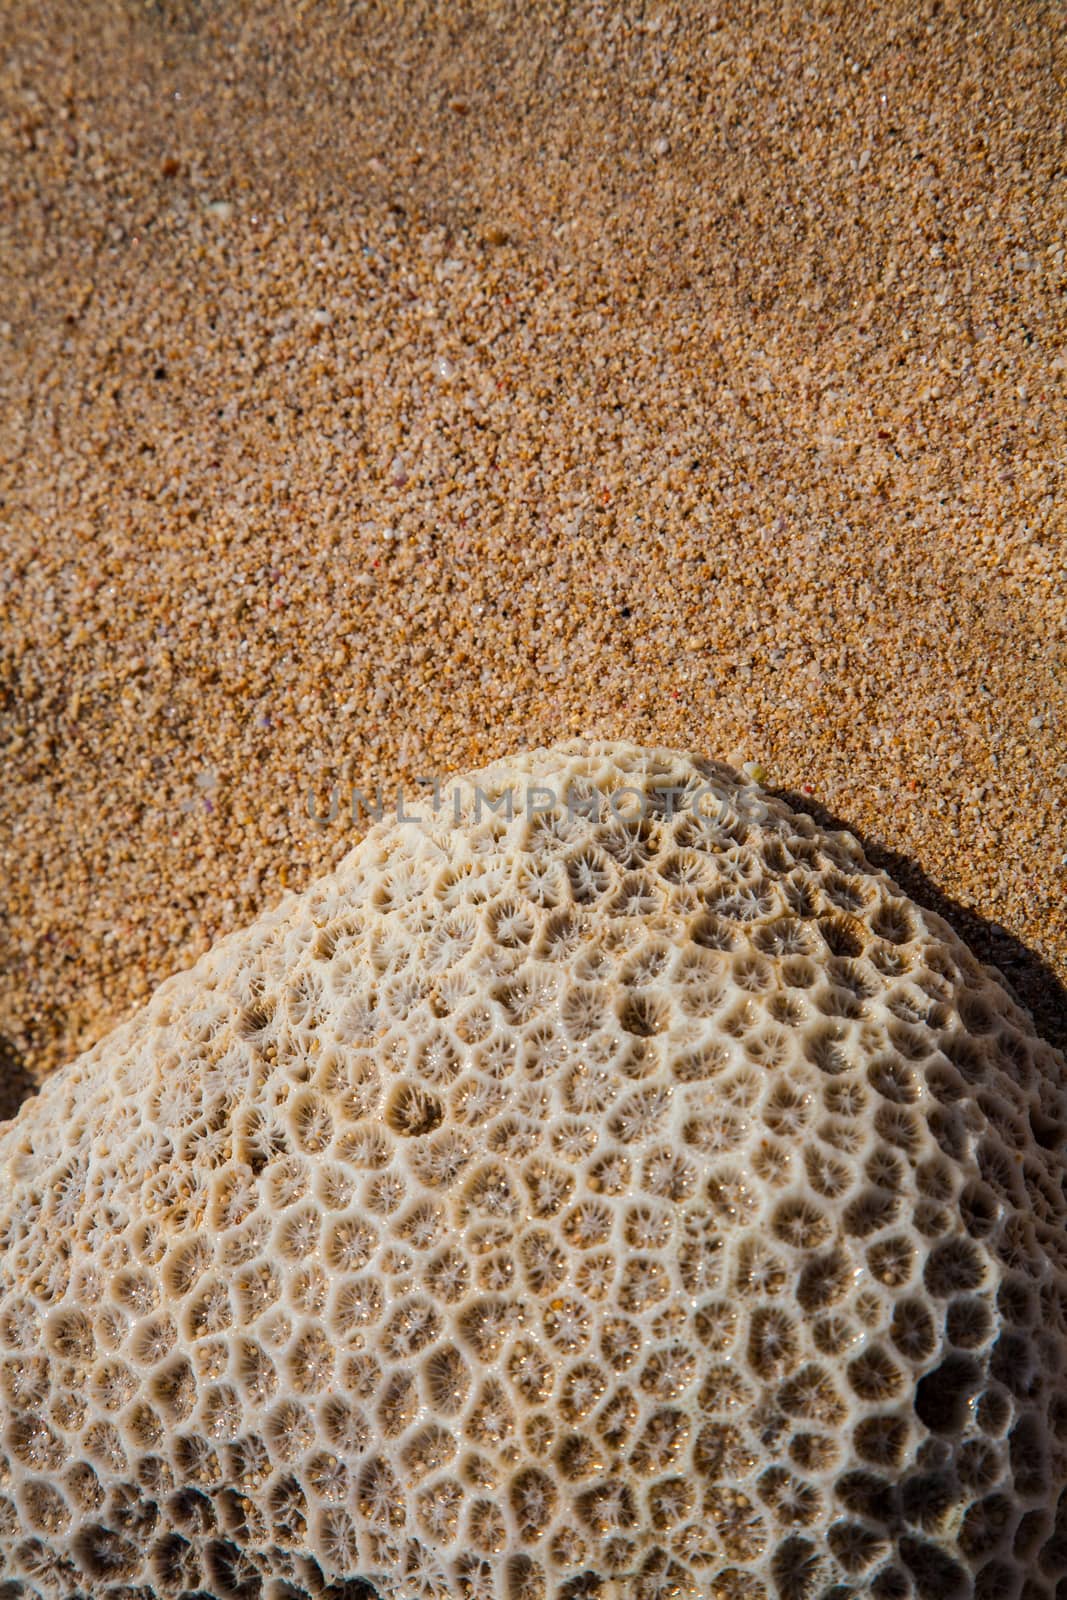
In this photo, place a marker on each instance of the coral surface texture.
(603, 1186)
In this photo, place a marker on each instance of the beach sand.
(385, 387)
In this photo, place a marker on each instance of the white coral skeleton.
(552, 1206)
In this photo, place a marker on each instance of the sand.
(385, 387)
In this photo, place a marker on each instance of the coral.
(554, 1202)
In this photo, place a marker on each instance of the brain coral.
(635, 1196)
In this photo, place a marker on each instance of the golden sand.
(385, 387)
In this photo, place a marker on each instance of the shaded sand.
(384, 388)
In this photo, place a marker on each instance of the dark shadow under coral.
(1029, 977)
(16, 1084)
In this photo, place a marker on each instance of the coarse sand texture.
(634, 1196)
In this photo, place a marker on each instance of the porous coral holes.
(544, 1202)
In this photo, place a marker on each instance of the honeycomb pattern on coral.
(583, 1204)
